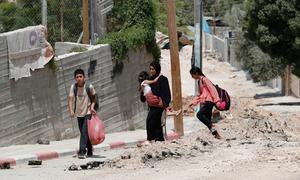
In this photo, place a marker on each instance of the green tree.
(131, 25)
(260, 65)
(184, 14)
(7, 16)
(72, 20)
(28, 13)
(218, 8)
(274, 25)
(234, 16)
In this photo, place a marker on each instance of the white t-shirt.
(146, 88)
(82, 100)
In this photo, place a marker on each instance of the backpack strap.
(202, 82)
(93, 98)
(88, 91)
(75, 88)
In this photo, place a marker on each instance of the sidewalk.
(21, 154)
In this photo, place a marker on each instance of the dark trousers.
(205, 113)
(84, 143)
(153, 124)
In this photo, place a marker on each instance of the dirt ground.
(257, 142)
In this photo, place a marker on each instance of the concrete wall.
(120, 107)
(295, 85)
(127, 88)
(231, 57)
(67, 47)
(36, 107)
(29, 106)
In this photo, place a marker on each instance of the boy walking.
(84, 96)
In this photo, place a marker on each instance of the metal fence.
(63, 18)
(215, 44)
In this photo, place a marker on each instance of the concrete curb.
(48, 155)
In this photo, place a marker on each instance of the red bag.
(153, 100)
(96, 130)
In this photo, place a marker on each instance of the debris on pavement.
(5, 165)
(34, 162)
(74, 167)
(43, 141)
(87, 166)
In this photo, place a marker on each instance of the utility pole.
(201, 33)
(44, 13)
(198, 33)
(198, 39)
(286, 81)
(85, 22)
(214, 21)
(92, 7)
(175, 66)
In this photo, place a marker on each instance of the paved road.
(57, 169)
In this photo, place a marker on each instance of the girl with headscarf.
(161, 89)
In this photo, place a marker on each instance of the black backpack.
(87, 88)
(225, 99)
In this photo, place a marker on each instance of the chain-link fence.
(63, 17)
(64, 20)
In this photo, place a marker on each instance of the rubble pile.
(148, 155)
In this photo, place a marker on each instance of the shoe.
(216, 134)
(81, 156)
(89, 155)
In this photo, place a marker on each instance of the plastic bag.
(96, 130)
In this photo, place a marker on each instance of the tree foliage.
(184, 14)
(131, 25)
(19, 15)
(7, 19)
(234, 16)
(260, 65)
(28, 13)
(274, 25)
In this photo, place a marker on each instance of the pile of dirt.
(246, 124)
(148, 155)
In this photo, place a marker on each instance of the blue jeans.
(85, 145)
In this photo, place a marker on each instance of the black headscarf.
(161, 87)
(156, 66)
